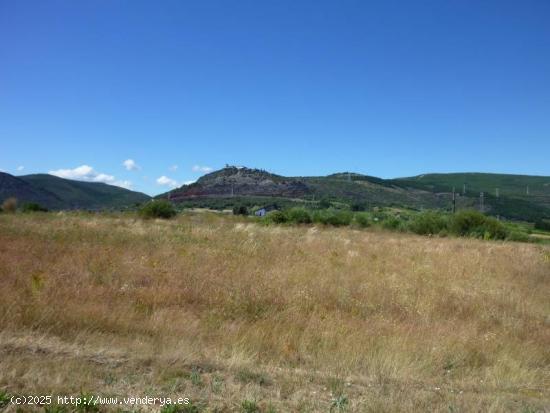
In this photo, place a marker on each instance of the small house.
(264, 210)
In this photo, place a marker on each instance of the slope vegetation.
(432, 191)
(59, 193)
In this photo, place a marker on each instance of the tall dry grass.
(295, 318)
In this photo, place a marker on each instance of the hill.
(59, 193)
(11, 186)
(507, 185)
(239, 181)
(240, 185)
(514, 196)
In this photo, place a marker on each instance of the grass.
(302, 319)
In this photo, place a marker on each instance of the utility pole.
(481, 202)
(527, 190)
(454, 200)
(463, 189)
(497, 192)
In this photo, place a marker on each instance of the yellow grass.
(222, 310)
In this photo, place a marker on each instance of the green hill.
(231, 185)
(59, 193)
(508, 185)
(12, 186)
(515, 196)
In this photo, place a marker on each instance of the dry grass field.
(243, 317)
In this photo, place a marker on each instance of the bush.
(475, 224)
(9, 205)
(332, 217)
(391, 222)
(325, 203)
(427, 223)
(299, 216)
(33, 207)
(240, 210)
(543, 224)
(362, 219)
(276, 217)
(518, 236)
(160, 208)
(358, 206)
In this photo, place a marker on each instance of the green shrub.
(4, 399)
(543, 224)
(9, 205)
(475, 224)
(518, 236)
(276, 217)
(159, 208)
(392, 223)
(240, 210)
(465, 222)
(33, 207)
(428, 223)
(299, 216)
(358, 206)
(332, 217)
(362, 219)
(250, 406)
(181, 408)
(325, 203)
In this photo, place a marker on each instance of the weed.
(55, 409)
(339, 403)
(195, 378)
(246, 376)
(4, 398)
(216, 384)
(181, 408)
(249, 406)
(86, 404)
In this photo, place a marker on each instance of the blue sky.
(387, 88)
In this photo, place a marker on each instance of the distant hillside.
(232, 185)
(515, 196)
(237, 181)
(11, 186)
(257, 186)
(59, 193)
(508, 185)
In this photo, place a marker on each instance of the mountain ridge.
(422, 191)
(60, 193)
(514, 196)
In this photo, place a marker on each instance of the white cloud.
(165, 181)
(205, 169)
(123, 184)
(131, 165)
(20, 168)
(189, 182)
(88, 174)
(173, 168)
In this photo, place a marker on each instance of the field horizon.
(244, 317)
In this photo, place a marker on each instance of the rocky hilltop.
(241, 181)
